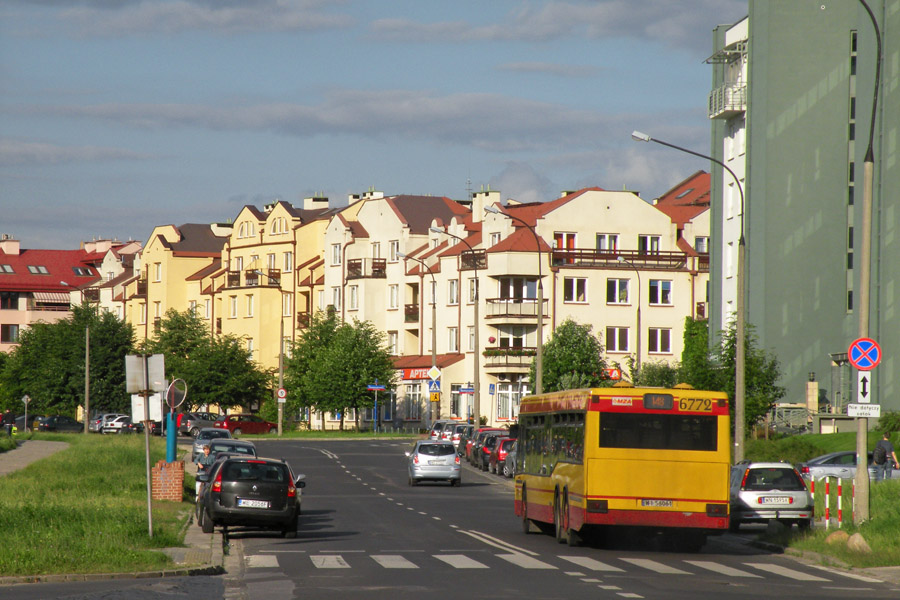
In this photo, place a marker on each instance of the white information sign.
(864, 410)
(137, 407)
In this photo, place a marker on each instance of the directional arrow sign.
(864, 387)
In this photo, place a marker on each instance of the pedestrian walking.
(884, 457)
(9, 421)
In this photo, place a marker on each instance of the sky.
(117, 116)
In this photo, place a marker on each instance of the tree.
(333, 363)
(657, 374)
(49, 364)
(571, 358)
(217, 369)
(714, 369)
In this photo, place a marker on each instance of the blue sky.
(120, 115)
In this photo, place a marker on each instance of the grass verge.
(84, 510)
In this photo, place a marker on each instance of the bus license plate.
(654, 502)
(776, 500)
(244, 502)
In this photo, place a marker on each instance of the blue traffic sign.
(467, 390)
(434, 385)
(864, 354)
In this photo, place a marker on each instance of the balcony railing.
(303, 319)
(609, 259)
(142, 287)
(513, 307)
(473, 259)
(411, 313)
(509, 357)
(359, 268)
(254, 278)
(233, 279)
(728, 100)
(92, 294)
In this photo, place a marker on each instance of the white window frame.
(575, 290)
(471, 338)
(393, 339)
(413, 401)
(660, 292)
(251, 302)
(157, 272)
(621, 285)
(452, 292)
(659, 340)
(288, 262)
(495, 239)
(335, 254)
(336, 297)
(607, 241)
(453, 339)
(701, 244)
(143, 314)
(287, 305)
(270, 260)
(208, 304)
(321, 299)
(618, 331)
(233, 304)
(473, 291)
(394, 250)
(394, 296)
(353, 302)
(648, 243)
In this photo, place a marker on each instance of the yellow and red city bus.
(658, 459)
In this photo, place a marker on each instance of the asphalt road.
(364, 533)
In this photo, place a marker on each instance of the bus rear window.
(658, 431)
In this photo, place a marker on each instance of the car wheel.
(507, 471)
(805, 524)
(412, 481)
(195, 431)
(273, 430)
(456, 482)
(206, 524)
(237, 432)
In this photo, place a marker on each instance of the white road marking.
(460, 561)
(784, 571)
(393, 561)
(629, 595)
(850, 575)
(498, 543)
(722, 569)
(590, 563)
(657, 567)
(329, 562)
(526, 562)
(261, 561)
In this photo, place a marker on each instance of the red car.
(497, 459)
(245, 423)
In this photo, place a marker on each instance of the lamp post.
(433, 323)
(740, 317)
(539, 358)
(87, 365)
(477, 380)
(278, 400)
(637, 362)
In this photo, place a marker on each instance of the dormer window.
(38, 270)
(6, 269)
(82, 271)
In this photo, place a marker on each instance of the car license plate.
(776, 500)
(654, 502)
(247, 503)
(436, 462)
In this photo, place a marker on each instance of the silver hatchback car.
(761, 492)
(433, 459)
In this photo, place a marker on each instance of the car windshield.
(773, 478)
(213, 434)
(250, 471)
(436, 449)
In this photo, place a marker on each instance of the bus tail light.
(716, 510)
(597, 506)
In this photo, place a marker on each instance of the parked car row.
(488, 449)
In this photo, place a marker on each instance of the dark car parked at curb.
(33, 422)
(482, 453)
(191, 423)
(251, 492)
(60, 423)
(498, 457)
(475, 439)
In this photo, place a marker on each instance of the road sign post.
(864, 354)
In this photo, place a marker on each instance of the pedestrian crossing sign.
(434, 385)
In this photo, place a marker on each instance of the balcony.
(473, 259)
(728, 100)
(92, 294)
(513, 308)
(609, 259)
(411, 313)
(233, 279)
(366, 268)
(142, 287)
(506, 359)
(303, 320)
(257, 277)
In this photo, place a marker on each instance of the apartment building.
(801, 126)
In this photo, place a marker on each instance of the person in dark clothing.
(9, 421)
(883, 469)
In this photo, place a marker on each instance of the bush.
(794, 449)
(889, 422)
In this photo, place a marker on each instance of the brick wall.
(168, 480)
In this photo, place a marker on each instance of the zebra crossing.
(744, 570)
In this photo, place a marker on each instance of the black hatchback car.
(60, 423)
(251, 492)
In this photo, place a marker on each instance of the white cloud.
(574, 71)
(20, 152)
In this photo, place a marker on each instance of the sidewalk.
(202, 555)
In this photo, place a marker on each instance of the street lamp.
(87, 365)
(621, 259)
(740, 316)
(477, 383)
(539, 358)
(433, 321)
(279, 401)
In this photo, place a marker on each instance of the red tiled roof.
(58, 263)
(418, 211)
(422, 361)
(205, 271)
(520, 240)
(687, 199)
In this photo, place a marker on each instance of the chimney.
(482, 199)
(9, 245)
(315, 202)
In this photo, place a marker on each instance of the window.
(157, 309)
(617, 339)
(239, 263)
(208, 309)
(574, 289)
(392, 342)
(393, 296)
(38, 270)
(336, 297)
(495, 239)
(660, 291)
(376, 249)
(232, 302)
(413, 409)
(394, 249)
(9, 300)
(110, 275)
(288, 261)
(250, 346)
(321, 299)
(270, 260)
(192, 307)
(518, 288)
(335, 254)
(354, 297)
(249, 305)
(453, 292)
(82, 271)
(452, 339)
(9, 334)
(512, 336)
(617, 291)
(473, 290)
(287, 305)
(658, 431)
(508, 397)
(701, 243)
(157, 271)
(607, 241)
(563, 240)
(6, 269)
(660, 341)
(471, 338)
(648, 244)
(143, 312)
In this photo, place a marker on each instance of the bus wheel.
(561, 522)
(527, 525)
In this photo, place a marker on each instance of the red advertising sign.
(416, 373)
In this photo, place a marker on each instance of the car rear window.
(216, 433)
(236, 449)
(773, 478)
(251, 471)
(436, 449)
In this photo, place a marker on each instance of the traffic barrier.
(840, 498)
